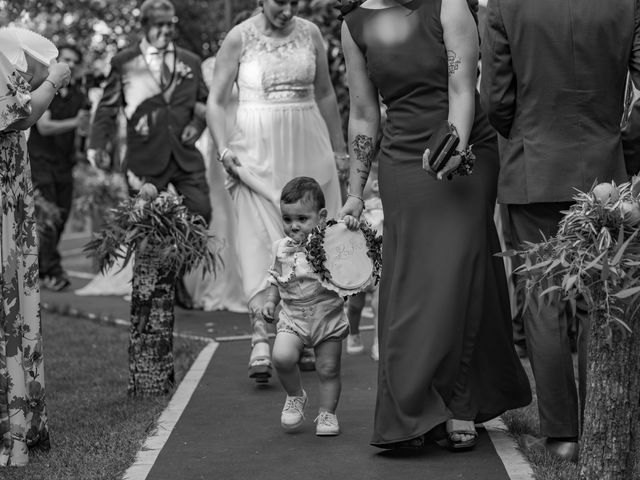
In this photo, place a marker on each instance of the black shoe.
(565, 450)
(183, 299)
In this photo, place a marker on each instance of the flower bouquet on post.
(594, 259)
(162, 237)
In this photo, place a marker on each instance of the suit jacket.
(631, 138)
(155, 117)
(553, 83)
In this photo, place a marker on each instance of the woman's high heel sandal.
(461, 427)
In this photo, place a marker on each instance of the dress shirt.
(153, 57)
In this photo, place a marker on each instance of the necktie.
(165, 71)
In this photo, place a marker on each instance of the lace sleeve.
(14, 95)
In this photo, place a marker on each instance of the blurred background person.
(52, 149)
(161, 89)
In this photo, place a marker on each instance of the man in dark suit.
(553, 83)
(161, 89)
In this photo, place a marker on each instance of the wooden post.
(610, 444)
(151, 370)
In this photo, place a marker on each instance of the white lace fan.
(14, 41)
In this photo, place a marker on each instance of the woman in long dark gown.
(446, 355)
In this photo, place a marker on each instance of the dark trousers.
(192, 186)
(56, 186)
(547, 333)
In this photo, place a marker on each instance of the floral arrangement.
(594, 255)
(316, 255)
(156, 222)
(96, 190)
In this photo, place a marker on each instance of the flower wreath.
(316, 255)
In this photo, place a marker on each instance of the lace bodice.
(277, 69)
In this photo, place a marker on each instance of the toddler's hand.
(267, 311)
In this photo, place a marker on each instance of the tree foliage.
(102, 27)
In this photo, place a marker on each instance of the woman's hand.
(229, 162)
(452, 164)
(351, 211)
(59, 74)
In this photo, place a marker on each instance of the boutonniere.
(183, 71)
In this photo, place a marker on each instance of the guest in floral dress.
(23, 418)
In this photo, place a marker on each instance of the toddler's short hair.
(303, 189)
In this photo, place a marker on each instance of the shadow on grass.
(96, 429)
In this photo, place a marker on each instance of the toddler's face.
(300, 218)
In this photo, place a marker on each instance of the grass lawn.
(96, 429)
(525, 421)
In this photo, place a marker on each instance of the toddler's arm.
(273, 297)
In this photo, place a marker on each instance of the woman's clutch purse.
(442, 145)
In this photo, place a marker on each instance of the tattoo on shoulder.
(364, 149)
(453, 61)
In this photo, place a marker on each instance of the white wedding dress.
(278, 134)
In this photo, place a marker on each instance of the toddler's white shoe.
(293, 412)
(327, 424)
(375, 354)
(354, 344)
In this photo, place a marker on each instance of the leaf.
(621, 250)
(507, 253)
(627, 292)
(552, 288)
(594, 262)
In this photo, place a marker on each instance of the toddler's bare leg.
(285, 355)
(328, 357)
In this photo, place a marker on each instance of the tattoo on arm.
(364, 149)
(453, 61)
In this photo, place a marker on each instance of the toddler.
(310, 314)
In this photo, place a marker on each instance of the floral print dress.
(23, 419)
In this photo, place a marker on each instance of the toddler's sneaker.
(293, 412)
(375, 354)
(327, 424)
(354, 344)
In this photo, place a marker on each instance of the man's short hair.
(73, 48)
(150, 7)
(303, 189)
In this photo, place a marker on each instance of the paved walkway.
(221, 425)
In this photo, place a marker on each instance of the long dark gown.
(444, 319)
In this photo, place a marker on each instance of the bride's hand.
(229, 162)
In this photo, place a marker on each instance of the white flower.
(183, 71)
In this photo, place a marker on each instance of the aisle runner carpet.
(230, 430)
